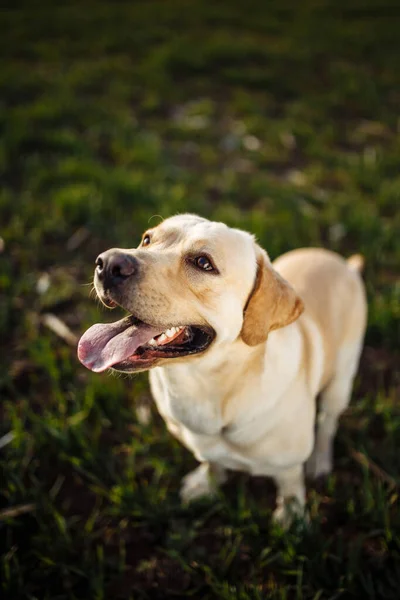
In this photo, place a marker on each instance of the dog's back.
(333, 294)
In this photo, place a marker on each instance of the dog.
(238, 348)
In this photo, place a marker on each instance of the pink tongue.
(106, 344)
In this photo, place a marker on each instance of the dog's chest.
(199, 411)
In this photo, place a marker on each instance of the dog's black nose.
(114, 267)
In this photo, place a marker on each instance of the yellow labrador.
(238, 348)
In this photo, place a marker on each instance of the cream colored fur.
(248, 403)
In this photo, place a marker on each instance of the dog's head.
(191, 285)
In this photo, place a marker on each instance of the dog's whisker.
(152, 217)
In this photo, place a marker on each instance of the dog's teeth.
(169, 333)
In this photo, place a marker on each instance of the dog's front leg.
(203, 481)
(291, 495)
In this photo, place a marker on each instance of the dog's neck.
(224, 373)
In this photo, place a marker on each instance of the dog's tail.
(356, 262)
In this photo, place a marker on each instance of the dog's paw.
(198, 484)
(289, 511)
(318, 465)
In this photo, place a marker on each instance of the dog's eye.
(146, 240)
(204, 263)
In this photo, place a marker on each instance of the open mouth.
(130, 344)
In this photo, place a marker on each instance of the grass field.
(278, 117)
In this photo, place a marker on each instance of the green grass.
(280, 118)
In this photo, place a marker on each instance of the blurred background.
(277, 117)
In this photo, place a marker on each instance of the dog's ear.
(273, 303)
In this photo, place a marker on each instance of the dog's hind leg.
(334, 400)
(202, 482)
